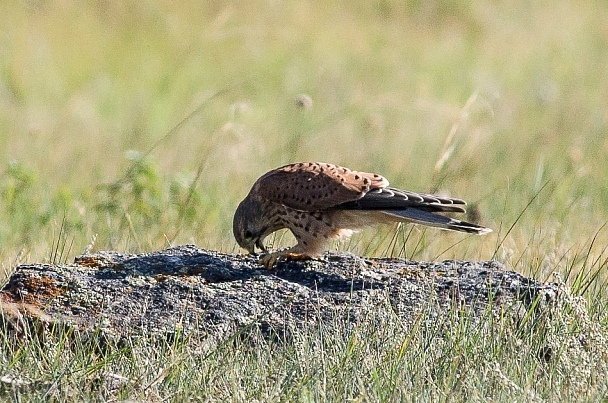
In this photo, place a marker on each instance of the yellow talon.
(269, 260)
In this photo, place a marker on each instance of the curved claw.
(269, 260)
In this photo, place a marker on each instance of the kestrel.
(318, 201)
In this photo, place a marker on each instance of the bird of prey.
(318, 201)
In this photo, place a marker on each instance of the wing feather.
(314, 186)
(397, 199)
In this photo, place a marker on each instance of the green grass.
(557, 353)
(137, 125)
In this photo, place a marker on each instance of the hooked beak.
(251, 247)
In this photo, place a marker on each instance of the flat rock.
(188, 289)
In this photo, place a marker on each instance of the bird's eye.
(248, 234)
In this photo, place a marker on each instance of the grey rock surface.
(213, 294)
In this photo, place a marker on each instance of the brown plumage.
(319, 201)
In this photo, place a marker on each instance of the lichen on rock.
(194, 290)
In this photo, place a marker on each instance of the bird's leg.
(308, 247)
(269, 260)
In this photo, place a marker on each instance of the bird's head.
(248, 225)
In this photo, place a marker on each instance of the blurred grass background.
(136, 125)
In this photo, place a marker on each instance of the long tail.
(417, 216)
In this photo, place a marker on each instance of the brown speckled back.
(313, 186)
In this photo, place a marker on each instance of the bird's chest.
(315, 224)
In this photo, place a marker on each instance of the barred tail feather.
(416, 216)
